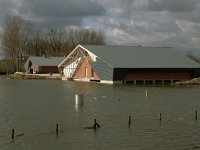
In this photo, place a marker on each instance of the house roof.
(141, 57)
(43, 61)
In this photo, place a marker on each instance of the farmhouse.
(128, 64)
(42, 65)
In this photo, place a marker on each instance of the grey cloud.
(172, 5)
(117, 4)
(167, 26)
(131, 22)
(190, 16)
(153, 22)
(6, 7)
(118, 8)
(61, 8)
(60, 12)
(56, 22)
(148, 30)
(179, 42)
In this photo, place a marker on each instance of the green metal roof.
(142, 57)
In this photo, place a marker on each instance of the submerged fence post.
(95, 124)
(196, 115)
(160, 117)
(57, 128)
(129, 120)
(13, 134)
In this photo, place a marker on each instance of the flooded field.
(34, 107)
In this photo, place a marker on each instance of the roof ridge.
(144, 46)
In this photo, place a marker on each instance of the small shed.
(128, 64)
(42, 65)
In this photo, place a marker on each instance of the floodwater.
(34, 107)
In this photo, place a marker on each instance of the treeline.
(20, 40)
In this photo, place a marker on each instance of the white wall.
(69, 69)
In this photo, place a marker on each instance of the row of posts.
(96, 125)
(79, 101)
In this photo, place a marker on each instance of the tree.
(72, 38)
(37, 45)
(3, 67)
(92, 37)
(85, 37)
(56, 39)
(15, 38)
(20, 41)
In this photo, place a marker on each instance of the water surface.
(33, 107)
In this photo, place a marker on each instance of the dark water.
(33, 107)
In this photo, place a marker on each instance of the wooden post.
(196, 115)
(129, 120)
(13, 134)
(160, 117)
(95, 124)
(57, 128)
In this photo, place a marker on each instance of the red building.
(42, 65)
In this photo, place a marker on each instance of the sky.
(168, 23)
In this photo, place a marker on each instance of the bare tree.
(72, 37)
(85, 37)
(15, 37)
(37, 45)
(20, 41)
(56, 39)
(92, 37)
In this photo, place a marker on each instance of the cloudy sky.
(171, 23)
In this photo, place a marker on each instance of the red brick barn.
(42, 65)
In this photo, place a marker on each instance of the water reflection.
(78, 107)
